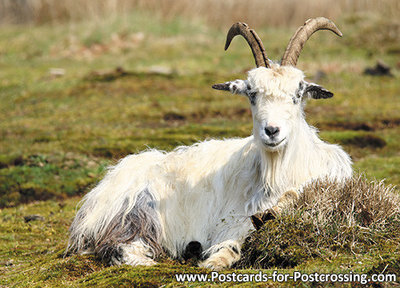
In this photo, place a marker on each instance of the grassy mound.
(329, 220)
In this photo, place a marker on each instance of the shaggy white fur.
(207, 192)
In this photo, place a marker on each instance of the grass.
(222, 13)
(313, 237)
(58, 133)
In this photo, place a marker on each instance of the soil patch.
(361, 126)
(364, 141)
(173, 116)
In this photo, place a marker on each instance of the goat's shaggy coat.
(206, 192)
(199, 199)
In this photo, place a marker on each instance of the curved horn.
(301, 36)
(252, 39)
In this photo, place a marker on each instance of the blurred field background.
(215, 13)
(83, 83)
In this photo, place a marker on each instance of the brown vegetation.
(223, 13)
(328, 219)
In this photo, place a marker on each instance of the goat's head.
(277, 91)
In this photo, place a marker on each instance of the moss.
(388, 264)
(42, 177)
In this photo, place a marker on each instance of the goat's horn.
(252, 39)
(301, 36)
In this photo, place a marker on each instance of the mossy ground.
(58, 133)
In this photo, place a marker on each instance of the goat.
(197, 200)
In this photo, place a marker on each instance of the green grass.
(59, 133)
(32, 253)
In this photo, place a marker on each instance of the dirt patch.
(365, 141)
(361, 126)
(120, 72)
(173, 116)
(111, 152)
(240, 112)
(232, 113)
(349, 126)
(30, 160)
(34, 217)
(11, 161)
(380, 69)
(390, 123)
(107, 75)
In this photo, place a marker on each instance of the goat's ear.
(241, 87)
(315, 91)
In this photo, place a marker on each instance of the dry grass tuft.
(328, 219)
(358, 202)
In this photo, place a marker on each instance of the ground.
(77, 97)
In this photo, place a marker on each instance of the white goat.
(197, 200)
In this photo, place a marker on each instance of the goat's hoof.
(214, 264)
(133, 261)
(273, 213)
(131, 255)
(259, 219)
(141, 262)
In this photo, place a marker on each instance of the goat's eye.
(300, 90)
(252, 97)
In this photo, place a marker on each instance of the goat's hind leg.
(133, 238)
(222, 255)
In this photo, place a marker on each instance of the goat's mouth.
(274, 144)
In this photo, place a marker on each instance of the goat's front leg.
(222, 255)
(288, 198)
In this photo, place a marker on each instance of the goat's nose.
(271, 131)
